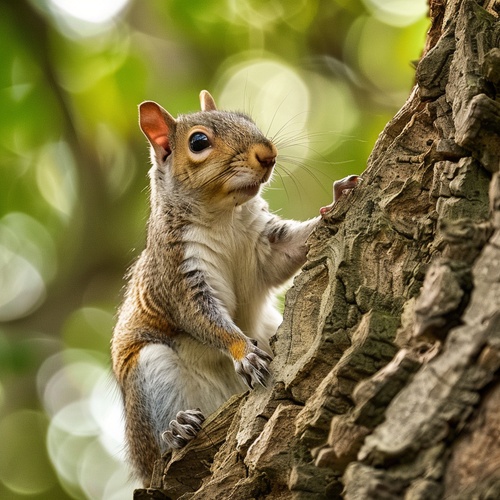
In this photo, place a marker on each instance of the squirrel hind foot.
(184, 428)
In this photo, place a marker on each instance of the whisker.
(293, 179)
(279, 174)
(275, 137)
(303, 137)
(311, 173)
(221, 176)
(274, 116)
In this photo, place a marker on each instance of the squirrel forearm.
(181, 301)
(288, 248)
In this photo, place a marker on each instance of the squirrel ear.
(207, 101)
(157, 124)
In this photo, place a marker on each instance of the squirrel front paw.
(253, 366)
(339, 189)
(184, 428)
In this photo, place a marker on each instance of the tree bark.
(386, 367)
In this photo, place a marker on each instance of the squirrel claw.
(340, 188)
(184, 428)
(253, 368)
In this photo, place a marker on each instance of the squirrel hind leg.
(184, 428)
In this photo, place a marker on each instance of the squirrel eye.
(198, 142)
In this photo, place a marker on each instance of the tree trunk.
(386, 367)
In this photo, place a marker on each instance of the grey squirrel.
(199, 307)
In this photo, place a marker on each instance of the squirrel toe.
(184, 428)
(253, 368)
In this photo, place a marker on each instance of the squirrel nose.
(267, 161)
(265, 155)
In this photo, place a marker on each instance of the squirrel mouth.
(251, 190)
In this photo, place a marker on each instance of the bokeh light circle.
(273, 93)
(91, 11)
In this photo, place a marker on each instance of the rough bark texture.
(386, 368)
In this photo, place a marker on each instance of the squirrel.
(199, 308)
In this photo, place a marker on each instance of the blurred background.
(321, 76)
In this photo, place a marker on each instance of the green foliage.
(322, 76)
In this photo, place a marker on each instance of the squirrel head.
(219, 157)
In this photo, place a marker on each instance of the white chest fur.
(232, 252)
